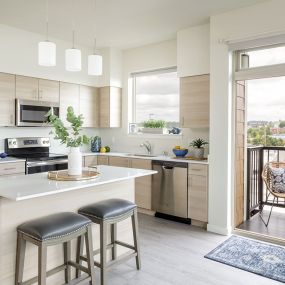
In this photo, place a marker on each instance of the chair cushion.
(108, 209)
(54, 226)
(277, 179)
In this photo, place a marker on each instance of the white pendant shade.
(73, 59)
(47, 53)
(95, 64)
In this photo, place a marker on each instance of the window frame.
(134, 75)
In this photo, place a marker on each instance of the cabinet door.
(198, 198)
(119, 161)
(143, 184)
(89, 106)
(102, 160)
(90, 160)
(27, 88)
(48, 90)
(194, 101)
(110, 107)
(7, 99)
(69, 96)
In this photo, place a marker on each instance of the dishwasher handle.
(167, 167)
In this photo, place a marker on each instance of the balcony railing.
(257, 157)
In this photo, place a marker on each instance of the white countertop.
(11, 159)
(154, 157)
(22, 187)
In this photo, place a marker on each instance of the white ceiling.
(120, 23)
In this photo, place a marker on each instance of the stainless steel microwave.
(31, 113)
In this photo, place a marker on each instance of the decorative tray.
(190, 158)
(62, 175)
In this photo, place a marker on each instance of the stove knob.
(14, 142)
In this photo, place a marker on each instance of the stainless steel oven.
(31, 113)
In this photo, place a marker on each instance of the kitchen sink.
(140, 155)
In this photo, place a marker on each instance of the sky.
(266, 97)
(157, 97)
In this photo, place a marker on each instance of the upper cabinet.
(7, 99)
(193, 51)
(48, 90)
(31, 88)
(89, 106)
(110, 107)
(69, 96)
(194, 101)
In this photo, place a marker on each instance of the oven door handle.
(44, 163)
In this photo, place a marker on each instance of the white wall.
(193, 51)
(238, 25)
(150, 57)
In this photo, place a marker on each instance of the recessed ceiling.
(119, 23)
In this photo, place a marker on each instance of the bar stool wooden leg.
(42, 264)
(113, 240)
(67, 257)
(79, 253)
(20, 258)
(136, 236)
(103, 244)
(89, 254)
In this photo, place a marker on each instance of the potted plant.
(154, 127)
(71, 138)
(198, 149)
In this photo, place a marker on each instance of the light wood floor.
(173, 254)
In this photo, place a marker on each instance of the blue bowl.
(180, 152)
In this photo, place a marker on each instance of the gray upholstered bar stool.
(55, 229)
(110, 212)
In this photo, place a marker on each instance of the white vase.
(74, 161)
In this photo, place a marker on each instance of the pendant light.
(47, 49)
(73, 55)
(95, 61)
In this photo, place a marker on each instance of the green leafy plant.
(154, 124)
(198, 143)
(71, 138)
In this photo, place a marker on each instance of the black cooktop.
(42, 156)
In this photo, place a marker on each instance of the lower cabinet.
(198, 192)
(119, 161)
(143, 184)
(103, 160)
(90, 160)
(12, 168)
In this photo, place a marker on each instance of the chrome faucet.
(147, 146)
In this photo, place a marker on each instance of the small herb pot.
(198, 152)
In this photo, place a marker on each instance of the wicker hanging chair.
(276, 192)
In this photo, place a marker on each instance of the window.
(156, 97)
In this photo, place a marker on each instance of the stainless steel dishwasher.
(169, 188)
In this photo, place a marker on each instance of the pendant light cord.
(73, 24)
(95, 42)
(47, 19)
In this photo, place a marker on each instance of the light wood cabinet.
(10, 168)
(110, 107)
(69, 96)
(90, 160)
(194, 101)
(143, 184)
(48, 90)
(89, 106)
(198, 192)
(103, 160)
(119, 161)
(27, 87)
(37, 89)
(7, 99)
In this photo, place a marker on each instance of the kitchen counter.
(11, 159)
(21, 187)
(25, 198)
(153, 157)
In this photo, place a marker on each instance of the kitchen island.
(26, 197)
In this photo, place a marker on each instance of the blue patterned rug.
(251, 255)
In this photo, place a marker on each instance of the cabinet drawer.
(119, 161)
(198, 169)
(12, 168)
(102, 160)
(90, 160)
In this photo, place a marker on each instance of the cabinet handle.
(182, 121)
(12, 119)
(9, 168)
(195, 169)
